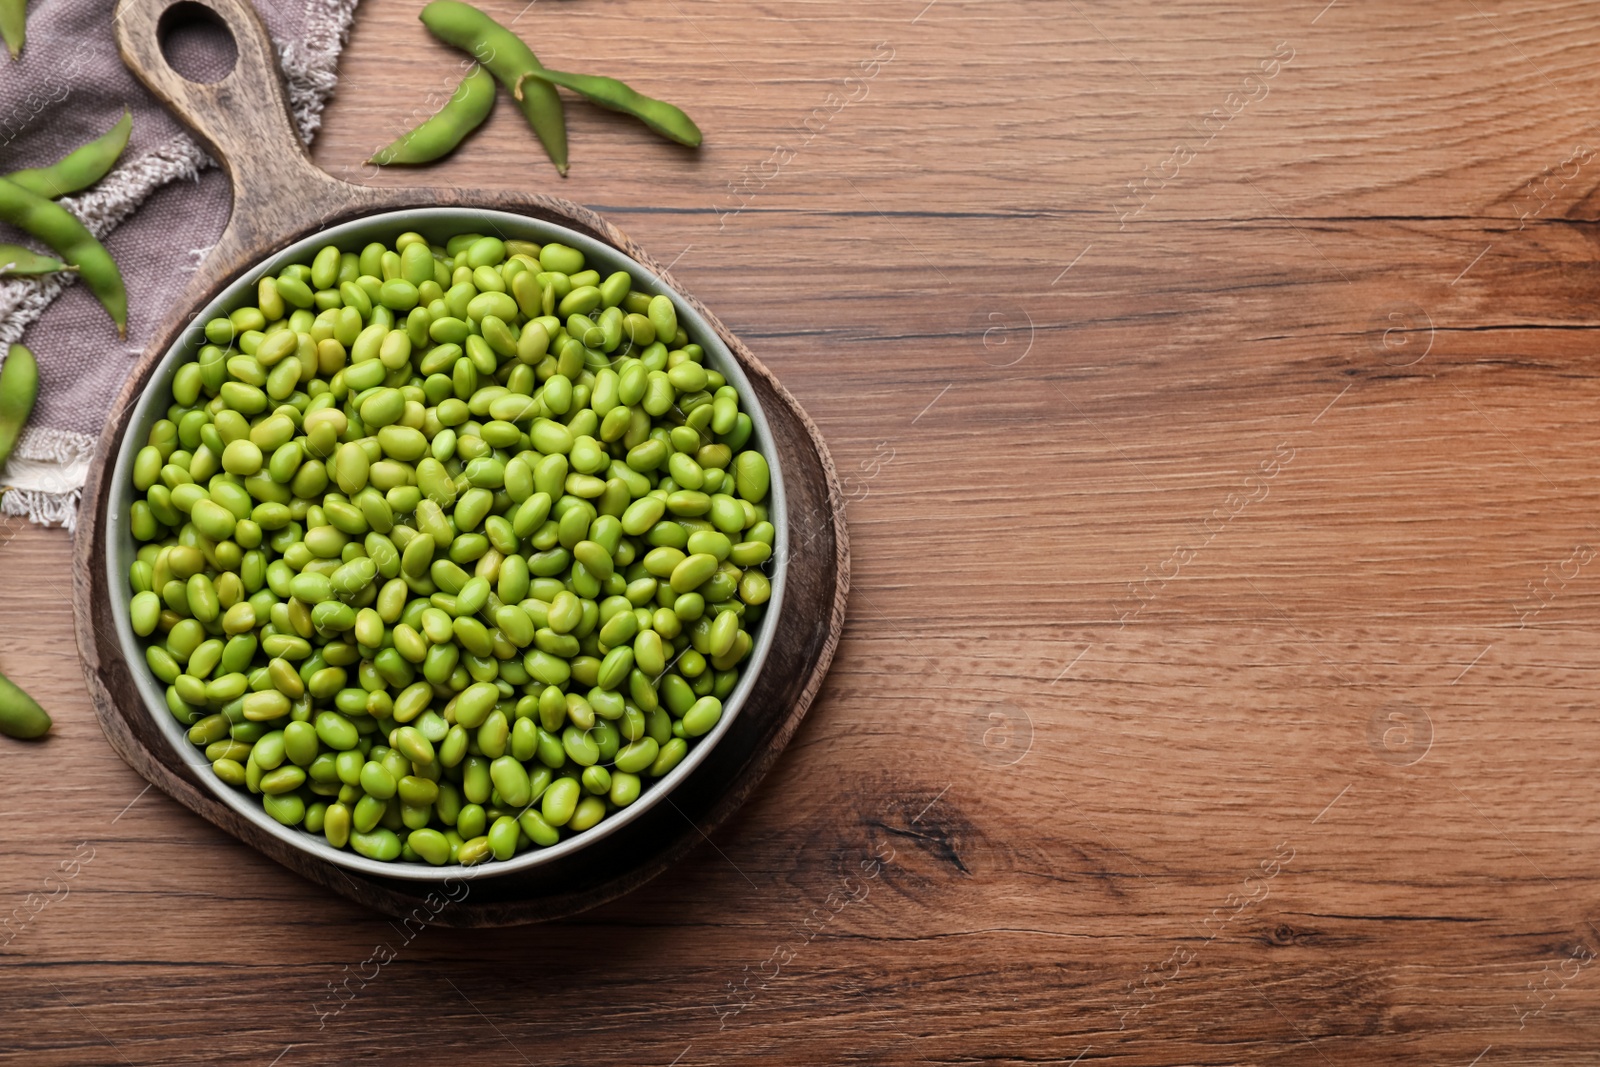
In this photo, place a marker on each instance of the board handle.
(243, 118)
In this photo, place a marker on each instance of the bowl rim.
(120, 549)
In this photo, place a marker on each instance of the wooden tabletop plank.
(1217, 685)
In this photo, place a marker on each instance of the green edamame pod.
(438, 136)
(508, 58)
(61, 230)
(19, 386)
(16, 261)
(660, 116)
(20, 715)
(14, 24)
(80, 168)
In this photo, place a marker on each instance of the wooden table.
(1212, 386)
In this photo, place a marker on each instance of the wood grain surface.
(1218, 681)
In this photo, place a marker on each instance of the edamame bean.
(672, 753)
(702, 716)
(379, 844)
(511, 779)
(431, 845)
(287, 808)
(560, 801)
(663, 316)
(637, 755)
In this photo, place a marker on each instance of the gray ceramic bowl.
(437, 224)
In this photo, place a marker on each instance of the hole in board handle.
(196, 43)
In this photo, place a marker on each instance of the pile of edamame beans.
(446, 552)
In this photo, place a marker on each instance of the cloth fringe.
(42, 508)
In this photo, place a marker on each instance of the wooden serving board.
(280, 196)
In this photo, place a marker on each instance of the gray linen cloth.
(70, 87)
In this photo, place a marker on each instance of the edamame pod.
(438, 136)
(61, 230)
(16, 261)
(20, 714)
(14, 24)
(81, 167)
(508, 58)
(19, 387)
(610, 93)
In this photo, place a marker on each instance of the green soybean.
(377, 844)
(559, 801)
(751, 476)
(287, 808)
(702, 716)
(431, 845)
